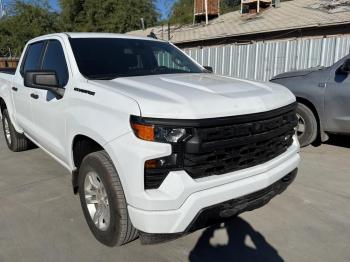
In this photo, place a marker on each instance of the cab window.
(54, 60)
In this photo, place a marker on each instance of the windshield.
(108, 58)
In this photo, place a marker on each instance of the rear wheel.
(15, 141)
(307, 125)
(103, 201)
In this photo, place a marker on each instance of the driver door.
(49, 111)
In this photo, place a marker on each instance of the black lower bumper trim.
(224, 211)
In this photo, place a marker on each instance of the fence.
(8, 62)
(262, 60)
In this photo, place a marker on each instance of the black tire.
(17, 142)
(306, 116)
(120, 230)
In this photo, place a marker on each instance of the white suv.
(157, 145)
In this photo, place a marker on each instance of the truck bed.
(10, 71)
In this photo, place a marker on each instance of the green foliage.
(28, 19)
(107, 15)
(23, 22)
(227, 6)
(182, 12)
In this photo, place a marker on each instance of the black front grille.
(221, 145)
(240, 143)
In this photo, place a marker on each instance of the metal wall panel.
(262, 60)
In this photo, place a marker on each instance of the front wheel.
(307, 125)
(103, 201)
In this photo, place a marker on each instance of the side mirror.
(345, 68)
(46, 80)
(209, 69)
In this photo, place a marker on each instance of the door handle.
(322, 85)
(35, 96)
(15, 89)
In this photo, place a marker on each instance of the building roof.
(296, 14)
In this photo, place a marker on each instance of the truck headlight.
(157, 133)
(156, 170)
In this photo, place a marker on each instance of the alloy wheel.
(96, 200)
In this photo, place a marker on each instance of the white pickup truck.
(158, 146)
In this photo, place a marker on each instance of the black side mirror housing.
(345, 68)
(46, 80)
(209, 69)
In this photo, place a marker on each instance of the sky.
(162, 5)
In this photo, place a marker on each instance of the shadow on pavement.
(339, 140)
(236, 249)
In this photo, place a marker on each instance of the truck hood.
(197, 96)
(297, 73)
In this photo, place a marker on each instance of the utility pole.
(206, 12)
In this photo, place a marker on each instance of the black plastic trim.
(210, 122)
(84, 91)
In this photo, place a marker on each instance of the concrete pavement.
(41, 220)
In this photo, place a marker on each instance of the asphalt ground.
(41, 219)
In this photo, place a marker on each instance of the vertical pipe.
(168, 31)
(239, 61)
(206, 12)
(265, 61)
(310, 54)
(216, 60)
(223, 60)
(194, 11)
(231, 58)
(323, 48)
(276, 59)
(336, 51)
(287, 57)
(256, 61)
(247, 61)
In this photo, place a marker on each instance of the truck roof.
(93, 35)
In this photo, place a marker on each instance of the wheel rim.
(7, 131)
(96, 200)
(301, 126)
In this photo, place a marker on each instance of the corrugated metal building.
(262, 60)
(294, 36)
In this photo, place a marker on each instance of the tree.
(23, 22)
(227, 6)
(182, 12)
(107, 15)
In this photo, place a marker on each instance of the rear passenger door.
(48, 110)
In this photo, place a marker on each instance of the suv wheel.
(307, 125)
(15, 141)
(103, 201)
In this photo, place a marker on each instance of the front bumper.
(177, 221)
(224, 211)
(172, 207)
